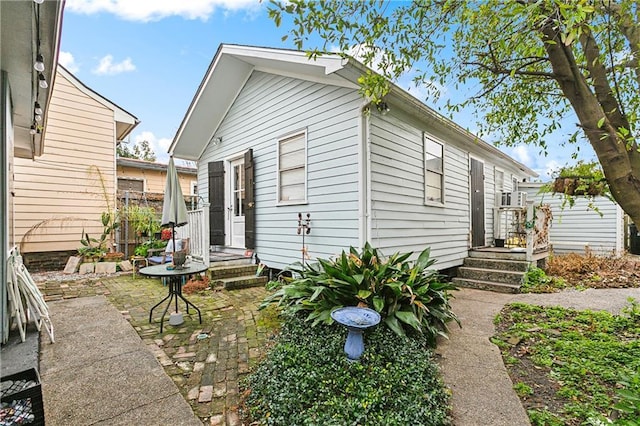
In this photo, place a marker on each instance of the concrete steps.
(247, 281)
(495, 271)
(486, 285)
(235, 276)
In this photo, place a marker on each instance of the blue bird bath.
(357, 320)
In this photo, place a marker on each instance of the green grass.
(307, 380)
(585, 353)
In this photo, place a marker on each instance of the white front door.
(236, 213)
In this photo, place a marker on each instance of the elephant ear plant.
(407, 295)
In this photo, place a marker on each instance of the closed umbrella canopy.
(174, 209)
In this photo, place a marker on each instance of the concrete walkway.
(472, 366)
(100, 372)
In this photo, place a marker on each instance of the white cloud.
(155, 10)
(67, 60)
(107, 67)
(550, 168)
(521, 154)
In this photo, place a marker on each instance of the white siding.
(575, 228)
(270, 107)
(400, 219)
(60, 194)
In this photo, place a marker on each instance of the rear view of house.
(276, 134)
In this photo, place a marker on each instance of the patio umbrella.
(174, 209)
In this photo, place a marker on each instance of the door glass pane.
(238, 189)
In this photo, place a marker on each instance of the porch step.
(217, 271)
(246, 281)
(498, 253)
(498, 264)
(491, 275)
(486, 285)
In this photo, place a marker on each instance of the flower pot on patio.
(113, 257)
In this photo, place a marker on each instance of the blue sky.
(149, 56)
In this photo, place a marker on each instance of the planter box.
(578, 186)
(22, 399)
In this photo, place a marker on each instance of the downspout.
(364, 175)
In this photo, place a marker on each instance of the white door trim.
(234, 229)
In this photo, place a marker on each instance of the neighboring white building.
(276, 134)
(577, 228)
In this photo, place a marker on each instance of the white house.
(276, 134)
(580, 227)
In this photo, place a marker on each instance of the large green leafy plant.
(408, 295)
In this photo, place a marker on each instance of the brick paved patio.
(207, 370)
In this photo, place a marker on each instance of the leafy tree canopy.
(530, 63)
(141, 151)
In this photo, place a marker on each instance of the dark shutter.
(249, 202)
(216, 200)
(477, 203)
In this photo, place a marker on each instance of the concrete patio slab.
(99, 371)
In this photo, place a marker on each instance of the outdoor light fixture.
(39, 64)
(42, 81)
(38, 118)
(217, 140)
(32, 130)
(37, 109)
(38, 1)
(383, 108)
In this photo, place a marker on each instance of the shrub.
(307, 380)
(408, 295)
(537, 281)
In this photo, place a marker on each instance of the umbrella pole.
(173, 236)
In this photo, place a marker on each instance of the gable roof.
(232, 66)
(125, 121)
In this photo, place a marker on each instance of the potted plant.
(93, 248)
(143, 220)
(90, 250)
(584, 178)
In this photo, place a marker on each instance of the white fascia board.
(329, 62)
(332, 80)
(119, 114)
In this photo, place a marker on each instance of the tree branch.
(599, 77)
(630, 30)
(512, 71)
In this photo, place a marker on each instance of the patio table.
(174, 276)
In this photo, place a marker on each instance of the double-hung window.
(292, 169)
(130, 184)
(433, 171)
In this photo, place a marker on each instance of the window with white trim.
(433, 171)
(499, 180)
(292, 169)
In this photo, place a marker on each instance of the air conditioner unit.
(511, 199)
